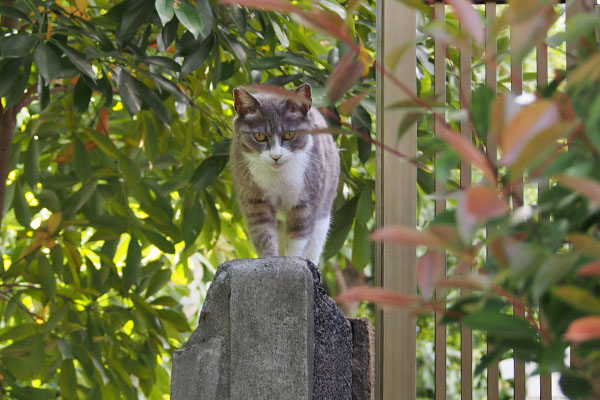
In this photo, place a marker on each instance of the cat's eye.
(289, 135)
(259, 136)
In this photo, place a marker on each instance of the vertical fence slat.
(493, 391)
(440, 205)
(542, 80)
(466, 336)
(396, 194)
(516, 88)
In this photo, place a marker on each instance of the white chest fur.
(283, 185)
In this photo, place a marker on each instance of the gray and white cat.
(285, 180)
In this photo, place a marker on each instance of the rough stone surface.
(363, 359)
(267, 330)
(333, 346)
(255, 335)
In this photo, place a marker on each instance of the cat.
(285, 179)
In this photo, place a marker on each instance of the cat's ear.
(303, 106)
(245, 103)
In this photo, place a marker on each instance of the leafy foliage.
(118, 205)
(529, 260)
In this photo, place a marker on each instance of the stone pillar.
(267, 330)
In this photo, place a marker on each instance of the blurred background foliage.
(118, 205)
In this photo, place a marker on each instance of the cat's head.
(270, 128)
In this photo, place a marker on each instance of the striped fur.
(294, 179)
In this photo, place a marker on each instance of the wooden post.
(396, 194)
(440, 206)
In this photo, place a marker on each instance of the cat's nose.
(276, 157)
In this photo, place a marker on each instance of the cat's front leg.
(299, 227)
(262, 226)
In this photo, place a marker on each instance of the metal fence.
(396, 196)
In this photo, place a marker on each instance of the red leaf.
(476, 205)
(484, 203)
(377, 295)
(348, 106)
(468, 152)
(587, 187)
(344, 76)
(327, 22)
(267, 5)
(408, 236)
(525, 126)
(469, 18)
(431, 268)
(102, 125)
(584, 329)
(592, 269)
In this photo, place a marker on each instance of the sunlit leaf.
(165, 10)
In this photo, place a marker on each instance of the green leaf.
(32, 163)
(176, 318)
(361, 246)
(18, 45)
(18, 73)
(159, 241)
(21, 368)
(38, 354)
(47, 61)
(81, 96)
(499, 324)
(195, 60)
(481, 106)
(153, 101)
(79, 199)
(204, 9)
(342, 223)
(46, 276)
(578, 298)
(575, 386)
(207, 172)
(68, 379)
(163, 62)
(167, 35)
(78, 59)
(129, 92)
(43, 93)
(157, 281)
(135, 15)
(81, 160)
(163, 84)
(22, 210)
(361, 121)
(165, 10)
(133, 264)
(13, 12)
(188, 16)
(281, 36)
(364, 210)
(193, 218)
